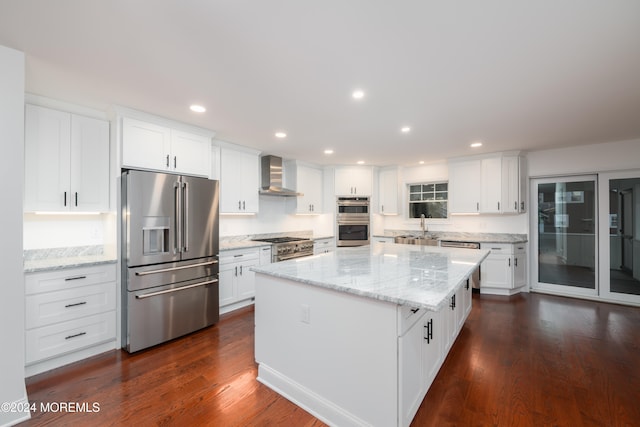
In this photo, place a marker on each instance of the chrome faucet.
(422, 226)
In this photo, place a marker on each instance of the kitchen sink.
(416, 240)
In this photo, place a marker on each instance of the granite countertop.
(461, 236)
(241, 244)
(48, 259)
(418, 276)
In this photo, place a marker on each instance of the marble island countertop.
(418, 276)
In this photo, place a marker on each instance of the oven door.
(353, 234)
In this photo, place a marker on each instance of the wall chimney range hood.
(272, 173)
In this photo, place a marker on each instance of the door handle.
(166, 270)
(181, 288)
(185, 219)
(177, 244)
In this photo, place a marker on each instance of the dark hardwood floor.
(528, 360)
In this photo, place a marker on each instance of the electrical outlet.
(305, 313)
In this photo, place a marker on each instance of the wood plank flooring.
(527, 360)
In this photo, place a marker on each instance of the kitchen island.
(356, 336)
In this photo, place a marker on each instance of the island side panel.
(330, 352)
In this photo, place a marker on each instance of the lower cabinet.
(423, 348)
(70, 315)
(322, 246)
(504, 271)
(237, 281)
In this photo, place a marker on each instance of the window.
(428, 199)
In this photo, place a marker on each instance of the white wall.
(12, 387)
(611, 156)
(276, 215)
(55, 231)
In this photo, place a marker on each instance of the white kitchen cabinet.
(388, 191)
(308, 180)
(491, 185)
(432, 347)
(513, 184)
(410, 371)
(323, 246)
(464, 186)
(237, 281)
(353, 181)
(152, 146)
(265, 255)
(503, 272)
(239, 181)
(66, 161)
(70, 315)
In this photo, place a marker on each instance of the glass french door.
(620, 241)
(566, 236)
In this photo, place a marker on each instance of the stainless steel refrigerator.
(170, 257)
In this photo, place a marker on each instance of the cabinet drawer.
(498, 248)
(238, 255)
(407, 317)
(54, 340)
(69, 278)
(53, 307)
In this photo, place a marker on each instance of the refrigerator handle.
(185, 219)
(177, 246)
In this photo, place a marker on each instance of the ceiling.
(517, 75)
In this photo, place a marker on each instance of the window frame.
(407, 200)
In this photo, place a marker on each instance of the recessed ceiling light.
(476, 144)
(358, 94)
(361, 162)
(281, 135)
(405, 129)
(329, 151)
(197, 108)
(421, 162)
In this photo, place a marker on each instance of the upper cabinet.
(353, 181)
(388, 191)
(66, 161)
(490, 185)
(152, 146)
(308, 180)
(239, 180)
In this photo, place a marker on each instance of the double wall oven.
(352, 221)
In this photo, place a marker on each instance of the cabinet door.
(511, 184)
(496, 271)
(227, 281)
(239, 181)
(449, 331)
(464, 186)
(246, 280)
(353, 181)
(432, 344)
(89, 164)
(190, 153)
(309, 182)
(388, 191)
(410, 372)
(47, 159)
(145, 145)
(491, 181)
(519, 266)
(250, 180)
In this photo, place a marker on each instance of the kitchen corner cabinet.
(66, 161)
(69, 315)
(237, 281)
(353, 181)
(239, 181)
(492, 185)
(307, 180)
(155, 147)
(504, 271)
(388, 191)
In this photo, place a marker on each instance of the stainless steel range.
(284, 248)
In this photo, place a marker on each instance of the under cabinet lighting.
(66, 213)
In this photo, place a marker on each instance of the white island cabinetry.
(349, 323)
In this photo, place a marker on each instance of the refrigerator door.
(199, 236)
(151, 220)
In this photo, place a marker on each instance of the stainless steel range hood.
(272, 173)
